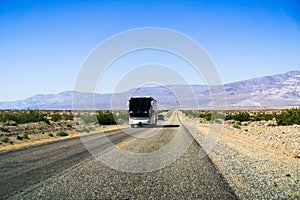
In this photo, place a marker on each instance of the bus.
(142, 111)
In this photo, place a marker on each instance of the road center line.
(121, 144)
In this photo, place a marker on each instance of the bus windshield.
(139, 107)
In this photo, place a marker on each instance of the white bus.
(142, 111)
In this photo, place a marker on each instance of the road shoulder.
(253, 171)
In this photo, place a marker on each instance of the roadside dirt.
(283, 141)
(35, 139)
(258, 161)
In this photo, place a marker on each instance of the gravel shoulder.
(259, 162)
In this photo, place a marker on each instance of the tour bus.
(142, 111)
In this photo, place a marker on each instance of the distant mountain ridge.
(268, 91)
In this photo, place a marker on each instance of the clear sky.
(44, 43)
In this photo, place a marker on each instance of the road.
(67, 170)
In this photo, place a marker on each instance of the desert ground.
(255, 157)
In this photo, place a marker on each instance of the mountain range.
(268, 91)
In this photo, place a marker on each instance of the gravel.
(254, 168)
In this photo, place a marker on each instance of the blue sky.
(44, 43)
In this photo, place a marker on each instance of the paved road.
(66, 170)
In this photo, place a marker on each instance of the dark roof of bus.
(143, 97)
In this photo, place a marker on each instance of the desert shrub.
(23, 117)
(263, 116)
(228, 117)
(22, 136)
(19, 137)
(62, 133)
(240, 116)
(288, 117)
(47, 121)
(206, 116)
(56, 117)
(105, 118)
(50, 135)
(4, 139)
(236, 125)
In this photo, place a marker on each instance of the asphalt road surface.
(67, 170)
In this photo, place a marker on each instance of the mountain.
(267, 91)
